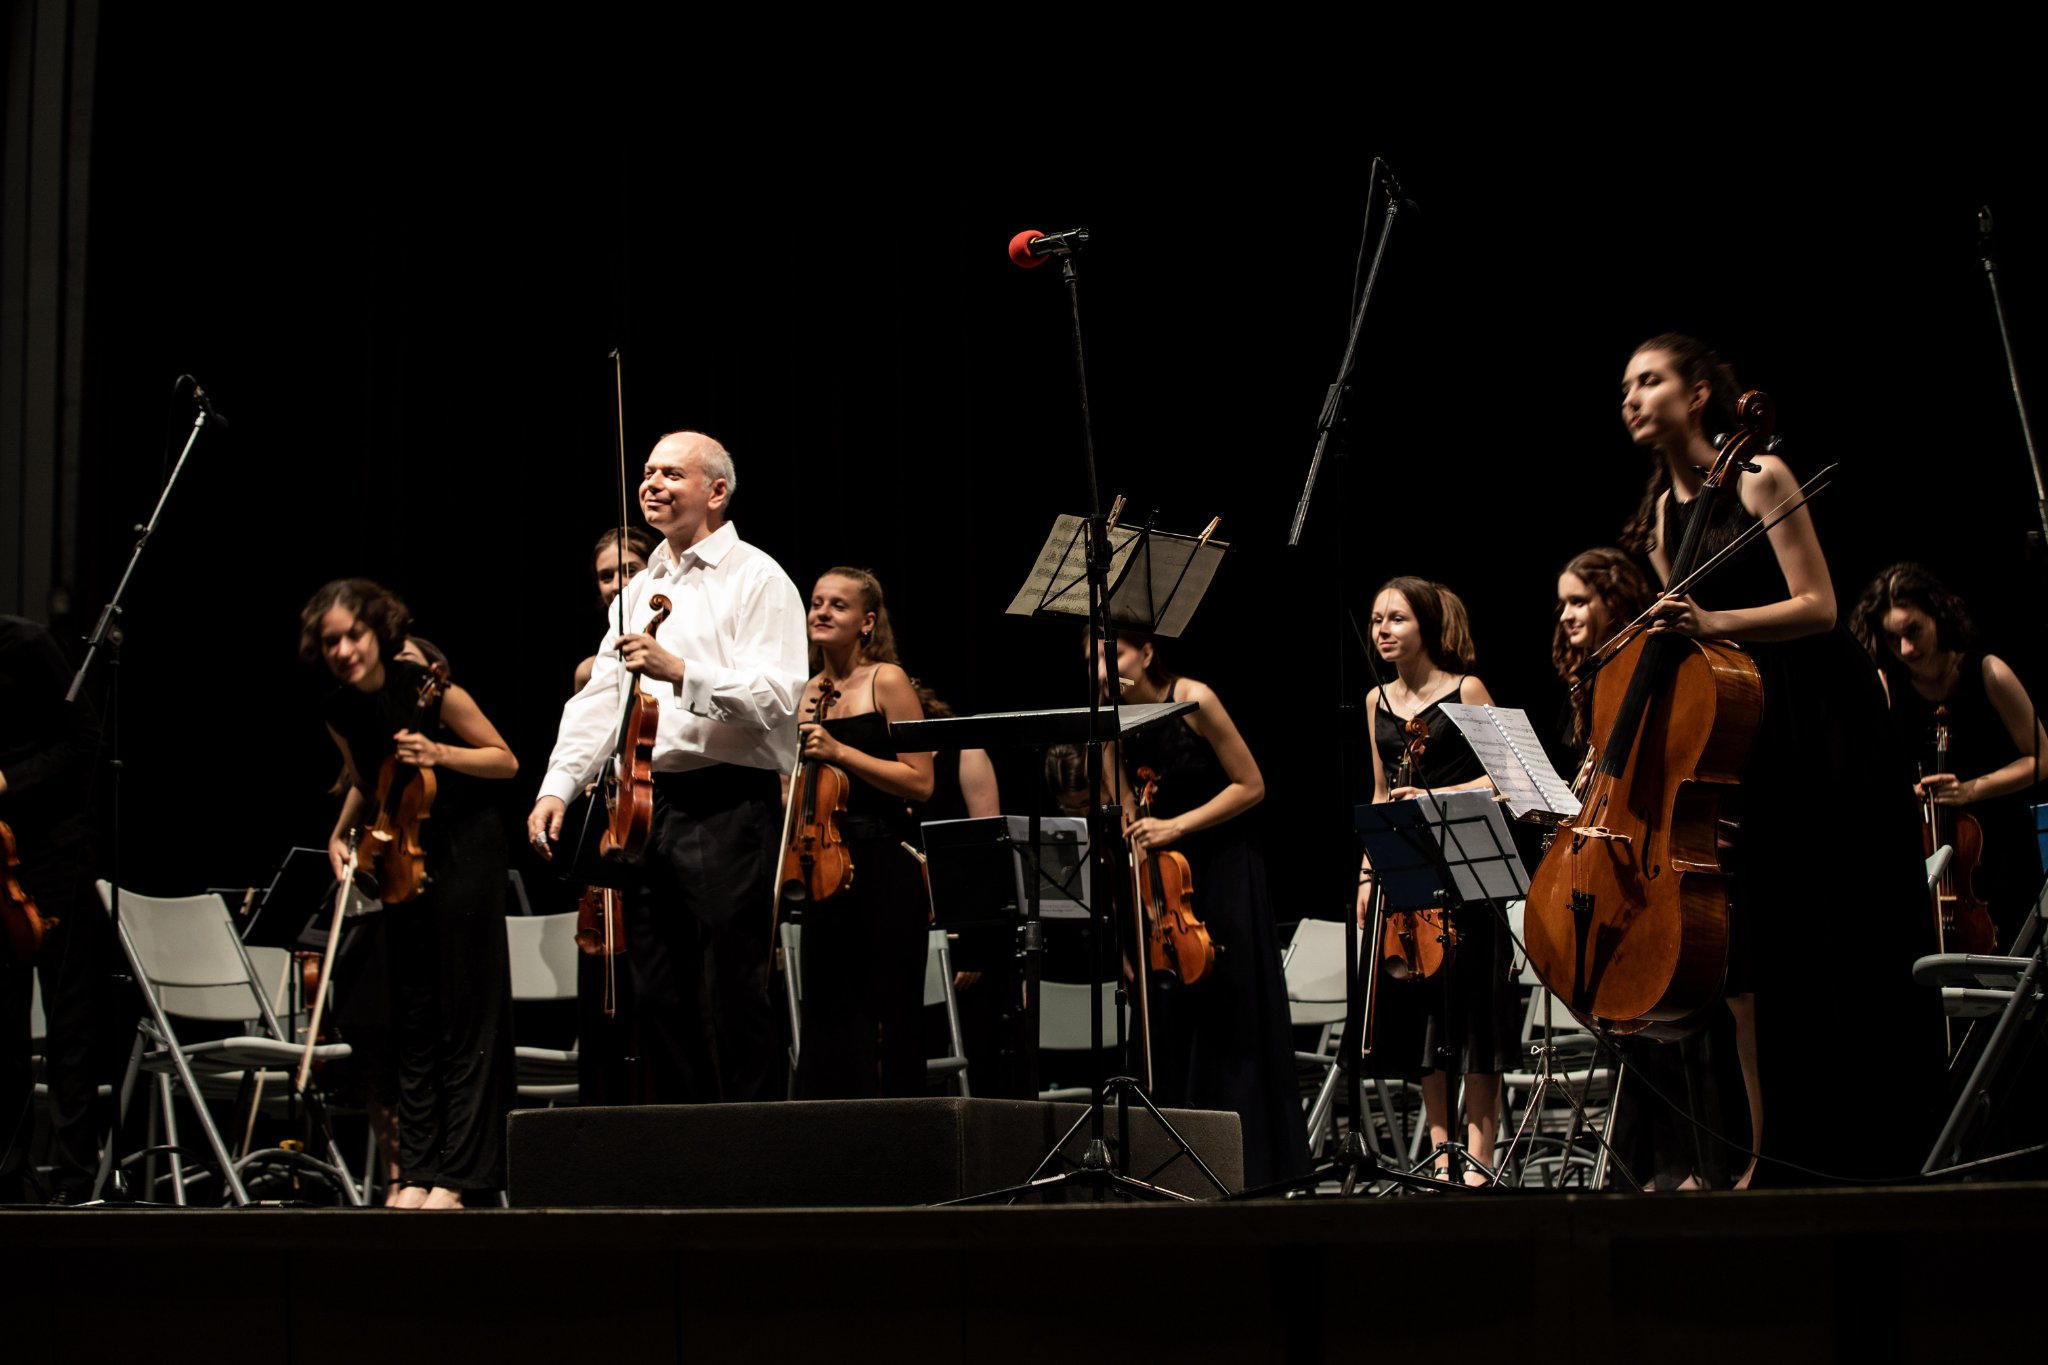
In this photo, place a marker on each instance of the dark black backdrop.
(399, 262)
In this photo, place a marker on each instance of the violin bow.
(348, 880)
(1806, 493)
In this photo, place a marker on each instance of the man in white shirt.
(727, 669)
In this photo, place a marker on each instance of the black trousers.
(81, 1005)
(697, 933)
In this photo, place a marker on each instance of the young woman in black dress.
(1829, 904)
(1414, 1030)
(1224, 1042)
(1924, 643)
(450, 976)
(864, 949)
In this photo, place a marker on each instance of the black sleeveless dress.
(2009, 874)
(1226, 1043)
(1414, 1030)
(1829, 907)
(863, 951)
(448, 961)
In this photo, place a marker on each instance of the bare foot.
(406, 1197)
(1476, 1179)
(441, 1197)
(1742, 1182)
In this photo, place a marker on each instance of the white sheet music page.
(1507, 747)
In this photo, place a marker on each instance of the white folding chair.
(1550, 1151)
(544, 960)
(1313, 967)
(938, 990)
(1065, 1033)
(189, 964)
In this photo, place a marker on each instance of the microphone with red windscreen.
(1032, 248)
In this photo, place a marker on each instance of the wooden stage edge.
(1811, 1275)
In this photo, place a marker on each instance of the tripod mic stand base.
(1098, 1167)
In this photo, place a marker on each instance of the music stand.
(290, 910)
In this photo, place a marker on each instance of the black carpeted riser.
(829, 1153)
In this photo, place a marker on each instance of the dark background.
(399, 260)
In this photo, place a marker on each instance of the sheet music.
(1507, 747)
(1058, 582)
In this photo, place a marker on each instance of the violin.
(25, 926)
(629, 790)
(601, 933)
(391, 865)
(816, 864)
(1627, 916)
(1415, 944)
(1179, 951)
(1962, 921)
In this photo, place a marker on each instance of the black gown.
(1409, 1029)
(449, 962)
(1828, 901)
(863, 951)
(1227, 1042)
(2009, 874)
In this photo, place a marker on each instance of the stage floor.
(1864, 1275)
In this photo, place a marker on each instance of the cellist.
(726, 671)
(864, 948)
(1828, 903)
(1224, 1042)
(450, 974)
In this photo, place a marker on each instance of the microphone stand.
(1352, 1159)
(107, 632)
(1098, 1169)
(2012, 369)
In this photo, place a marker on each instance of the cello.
(391, 865)
(1962, 922)
(1180, 952)
(1627, 917)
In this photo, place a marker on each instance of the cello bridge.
(1600, 832)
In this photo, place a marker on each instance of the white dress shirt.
(738, 625)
